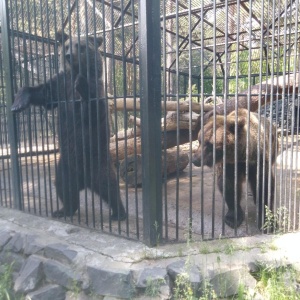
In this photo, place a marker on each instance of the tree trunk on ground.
(134, 145)
(262, 93)
(131, 168)
(280, 86)
(259, 94)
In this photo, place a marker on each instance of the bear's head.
(211, 135)
(80, 55)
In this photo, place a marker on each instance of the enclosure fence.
(199, 103)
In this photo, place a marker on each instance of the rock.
(183, 267)
(155, 275)
(30, 276)
(155, 282)
(49, 292)
(32, 246)
(111, 282)
(76, 296)
(60, 252)
(15, 244)
(58, 273)
(14, 259)
(4, 238)
(226, 284)
(253, 267)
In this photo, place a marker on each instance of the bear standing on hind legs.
(259, 137)
(78, 93)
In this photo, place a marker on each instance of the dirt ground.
(190, 200)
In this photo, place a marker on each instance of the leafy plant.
(229, 248)
(278, 220)
(207, 292)
(153, 286)
(276, 283)
(75, 289)
(6, 282)
(183, 287)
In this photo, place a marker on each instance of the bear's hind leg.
(67, 190)
(230, 193)
(110, 192)
(263, 192)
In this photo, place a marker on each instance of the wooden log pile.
(174, 133)
(128, 143)
(131, 168)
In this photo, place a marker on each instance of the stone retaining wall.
(54, 260)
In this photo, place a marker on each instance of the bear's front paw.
(22, 100)
(81, 86)
(229, 218)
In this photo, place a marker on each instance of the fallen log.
(134, 104)
(169, 139)
(126, 134)
(262, 93)
(131, 168)
(125, 148)
(259, 94)
(171, 125)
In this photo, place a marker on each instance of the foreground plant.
(277, 283)
(6, 283)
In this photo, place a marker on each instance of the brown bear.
(78, 93)
(259, 154)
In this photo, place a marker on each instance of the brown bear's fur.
(77, 90)
(259, 138)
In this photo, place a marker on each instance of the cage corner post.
(150, 94)
(8, 79)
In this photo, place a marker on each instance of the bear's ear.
(207, 116)
(97, 40)
(230, 124)
(241, 121)
(61, 37)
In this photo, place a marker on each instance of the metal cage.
(167, 66)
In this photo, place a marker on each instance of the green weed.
(278, 220)
(6, 283)
(276, 283)
(183, 287)
(153, 287)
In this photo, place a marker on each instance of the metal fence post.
(150, 93)
(11, 120)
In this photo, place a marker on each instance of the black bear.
(78, 93)
(259, 137)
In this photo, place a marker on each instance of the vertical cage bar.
(165, 91)
(226, 92)
(248, 118)
(214, 45)
(190, 121)
(177, 91)
(150, 80)
(12, 127)
(201, 80)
